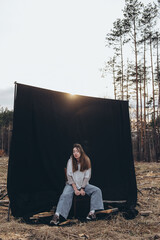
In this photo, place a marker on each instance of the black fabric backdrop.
(46, 125)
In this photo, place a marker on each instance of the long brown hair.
(84, 159)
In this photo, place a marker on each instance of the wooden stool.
(81, 206)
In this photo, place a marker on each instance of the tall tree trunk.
(141, 124)
(152, 72)
(158, 74)
(158, 110)
(136, 67)
(144, 100)
(127, 87)
(2, 137)
(9, 137)
(122, 77)
(148, 106)
(153, 95)
(114, 79)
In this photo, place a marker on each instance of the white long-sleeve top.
(81, 179)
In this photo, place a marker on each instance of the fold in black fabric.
(46, 125)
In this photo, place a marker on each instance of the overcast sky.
(56, 44)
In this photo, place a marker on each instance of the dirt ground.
(145, 226)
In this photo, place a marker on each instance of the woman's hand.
(82, 192)
(77, 192)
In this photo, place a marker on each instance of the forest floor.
(146, 225)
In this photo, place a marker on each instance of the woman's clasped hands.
(79, 192)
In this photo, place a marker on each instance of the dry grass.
(115, 227)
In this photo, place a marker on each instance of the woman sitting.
(78, 175)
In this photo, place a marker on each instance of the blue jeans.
(65, 200)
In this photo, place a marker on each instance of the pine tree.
(132, 12)
(116, 39)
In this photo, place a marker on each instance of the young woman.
(78, 175)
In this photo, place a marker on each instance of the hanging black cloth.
(46, 124)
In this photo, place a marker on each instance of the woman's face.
(76, 153)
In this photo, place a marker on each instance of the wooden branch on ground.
(4, 201)
(145, 213)
(65, 222)
(151, 188)
(43, 214)
(110, 201)
(112, 210)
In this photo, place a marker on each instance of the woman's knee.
(93, 188)
(98, 190)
